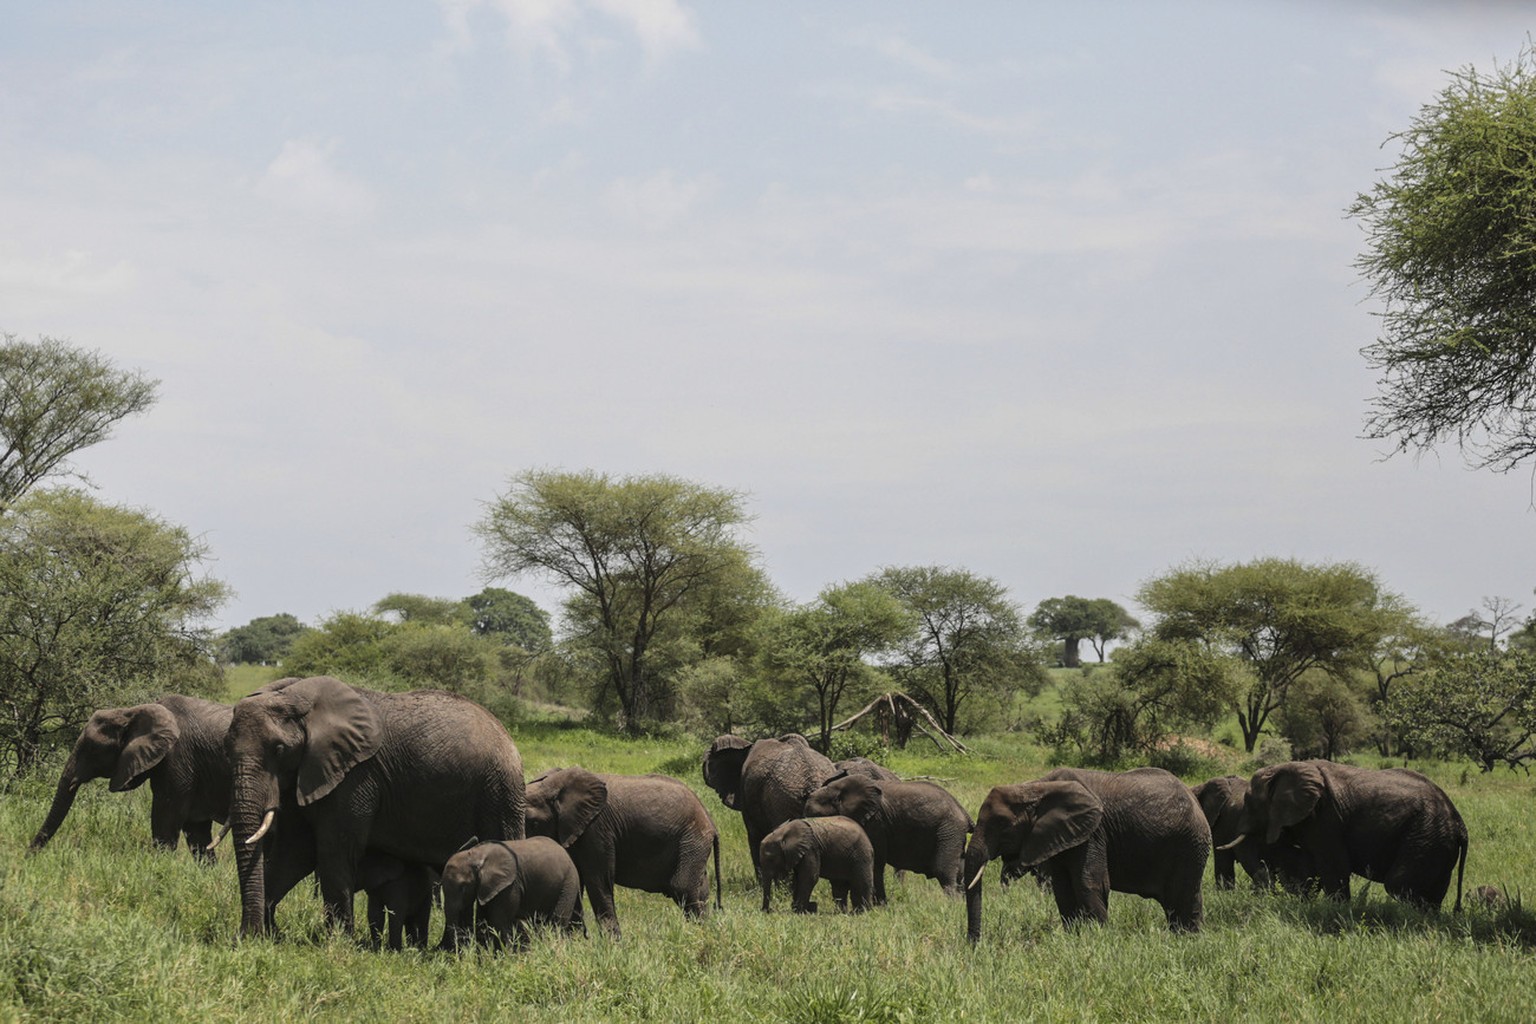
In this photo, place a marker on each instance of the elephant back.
(778, 775)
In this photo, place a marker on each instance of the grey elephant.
(913, 826)
(646, 832)
(864, 766)
(509, 887)
(323, 771)
(1221, 801)
(766, 781)
(808, 849)
(1391, 825)
(1139, 832)
(176, 744)
(399, 899)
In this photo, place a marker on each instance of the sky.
(1062, 294)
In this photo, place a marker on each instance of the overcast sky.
(1059, 293)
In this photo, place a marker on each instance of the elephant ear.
(862, 797)
(1065, 815)
(722, 767)
(344, 731)
(582, 796)
(796, 843)
(495, 874)
(150, 734)
(1293, 797)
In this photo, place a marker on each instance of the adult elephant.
(1391, 825)
(912, 826)
(647, 832)
(1139, 832)
(324, 772)
(864, 766)
(176, 744)
(1221, 801)
(766, 781)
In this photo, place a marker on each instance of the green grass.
(99, 927)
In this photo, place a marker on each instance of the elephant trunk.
(248, 819)
(63, 800)
(976, 858)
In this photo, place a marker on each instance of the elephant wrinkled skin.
(1391, 825)
(325, 772)
(646, 832)
(808, 849)
(1139, 832)
(176, 744)
(1221, 801)
(915, 826)
(510, 886)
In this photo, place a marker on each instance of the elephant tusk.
(979, 872)
(266, 823)
(1234, 842)
(222, 833)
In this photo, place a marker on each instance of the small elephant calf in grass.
(808, 849)
(513, 885)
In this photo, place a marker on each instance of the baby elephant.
(513, 884)
(836, 849)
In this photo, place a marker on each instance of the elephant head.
(293, 740)
(1280, 796)
(562, 803)
(852, 796)
(1026, 825)
(122, 744)
(782, 849)
(471, 878)
(722, 767)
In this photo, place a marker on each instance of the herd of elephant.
(405, 795)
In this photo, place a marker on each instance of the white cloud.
(302, 178)
(553, 28)
(655, 202)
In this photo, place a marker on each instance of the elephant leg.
(689, 886)
(879, 882)
(862, 890)
(199, 836)
(840, 894)
(807, 873)
(336, 869)
(600, 892)
(1224, 863)
(375, 919)
(290, 858)
(166, 815)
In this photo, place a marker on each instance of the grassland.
(99, 927)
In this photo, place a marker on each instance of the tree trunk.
(1069, 651)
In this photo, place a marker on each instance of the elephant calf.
(808, 849)
(647, 832)
(514, 885)
(915, 826)
(1221, 801)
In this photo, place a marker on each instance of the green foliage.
(1070, 620)
(1451, 252)
(1281, 618)
(817, 653)
(638, 554)
(421, 609)
(513, 618)
(1324, 716)
(99, 606)
(348, 645)
(966, 646)
(262, 641)
(55, 400)
(1478, 703)
(414, 654)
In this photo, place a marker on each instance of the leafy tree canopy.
(420, 609)
(100, 606)
(1451, 252)
(1280, 617)
(1478, 703)
(510, 616)
(262, 641)
(636, 554)
(967, 640)
(1072, 619)
(55, 400)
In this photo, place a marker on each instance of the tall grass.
(100, 927)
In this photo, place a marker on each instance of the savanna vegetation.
(671, 630)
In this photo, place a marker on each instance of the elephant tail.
(1461, 865)
(716, 842)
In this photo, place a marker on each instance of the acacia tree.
(1280, 617)
(100, 605)
(1479, 703)
(1070, 620)
(967, 639)
(54, 401)
(824, 647)
(633, 550)
(1451, 252)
